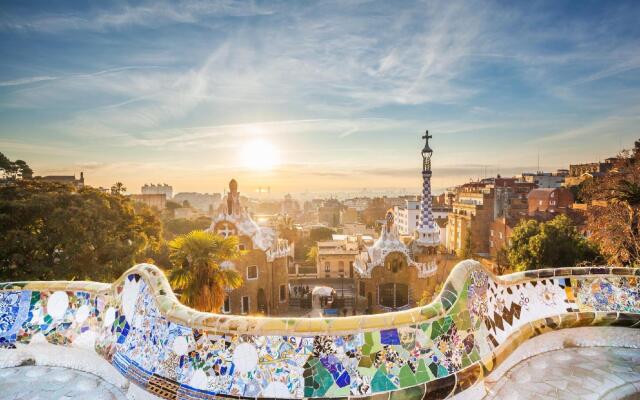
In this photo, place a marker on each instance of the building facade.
(157, 201)
(165, 189)
(336, 258)
(556, 200)
(263, 266)
(64, 179)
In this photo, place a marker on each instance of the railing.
(439, 349)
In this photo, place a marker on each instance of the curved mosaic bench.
(439, 349)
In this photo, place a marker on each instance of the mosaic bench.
(434, 351)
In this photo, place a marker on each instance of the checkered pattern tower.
(428, 233)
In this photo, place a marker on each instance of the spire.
(428, 233)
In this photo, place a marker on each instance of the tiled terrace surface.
(48, 383)
(573, 373)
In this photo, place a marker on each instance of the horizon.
(319, 97)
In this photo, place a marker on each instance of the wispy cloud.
(150, 13)
(339, 87)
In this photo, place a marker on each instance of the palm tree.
(197, 271)
(118, 188)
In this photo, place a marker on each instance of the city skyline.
(324, 97)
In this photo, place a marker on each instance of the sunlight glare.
(259, 155)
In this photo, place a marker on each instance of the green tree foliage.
(181, 226)
(320, 233)
(197, 273)
(13, 170)
(553, 244)
(466, 252)
(312, 254)
(51, 231)
(118, 188)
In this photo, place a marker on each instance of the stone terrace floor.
(573, 373)
(54, 383)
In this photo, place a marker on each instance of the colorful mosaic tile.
(177, 353)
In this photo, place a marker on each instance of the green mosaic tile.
(380, 382)
(442, 371)
(407, 378)
(440, 326)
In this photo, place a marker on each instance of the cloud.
(26, 81)
(150, 13)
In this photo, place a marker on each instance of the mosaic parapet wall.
(439, 349)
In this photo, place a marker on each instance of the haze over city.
(325, 97)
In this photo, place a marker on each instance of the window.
(245, 305)
(492, 232)
(283, 293)
(226, 306)
(362, 289)
(500, 235)
(491, 243)
(394, 262)
(241, 247)
(393, 295)
(252, 272)
(341, 266)
(327, 266)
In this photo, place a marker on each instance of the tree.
(320, 233)
(312, 254)
(286, 229)
(502, 261)
(466, 252)
(172, 205)
(118, 189)
(181, 226)
(613, 217)
(13, 170)
(197, 270)
(54, 231)
(553, 244)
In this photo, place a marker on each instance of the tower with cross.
(428, 232)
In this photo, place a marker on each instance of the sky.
(323, 96)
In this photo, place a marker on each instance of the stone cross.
(227, 231)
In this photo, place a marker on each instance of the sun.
(259, 155)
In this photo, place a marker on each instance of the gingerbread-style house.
(263, 266)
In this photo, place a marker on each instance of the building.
(264, 265)
(157, 201)
(468, 222)
(64, 179)
(158, 189)
(329, 213)
(407, 217)
(576, 170)
(500, 234)
(359, 203)
(204, 202)
(290, 206)
(186, 213)
(556, 200)
(581, 172)
(357, 228)
(392, 275)
(337, 257)
(349, 215)
(545, 179)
